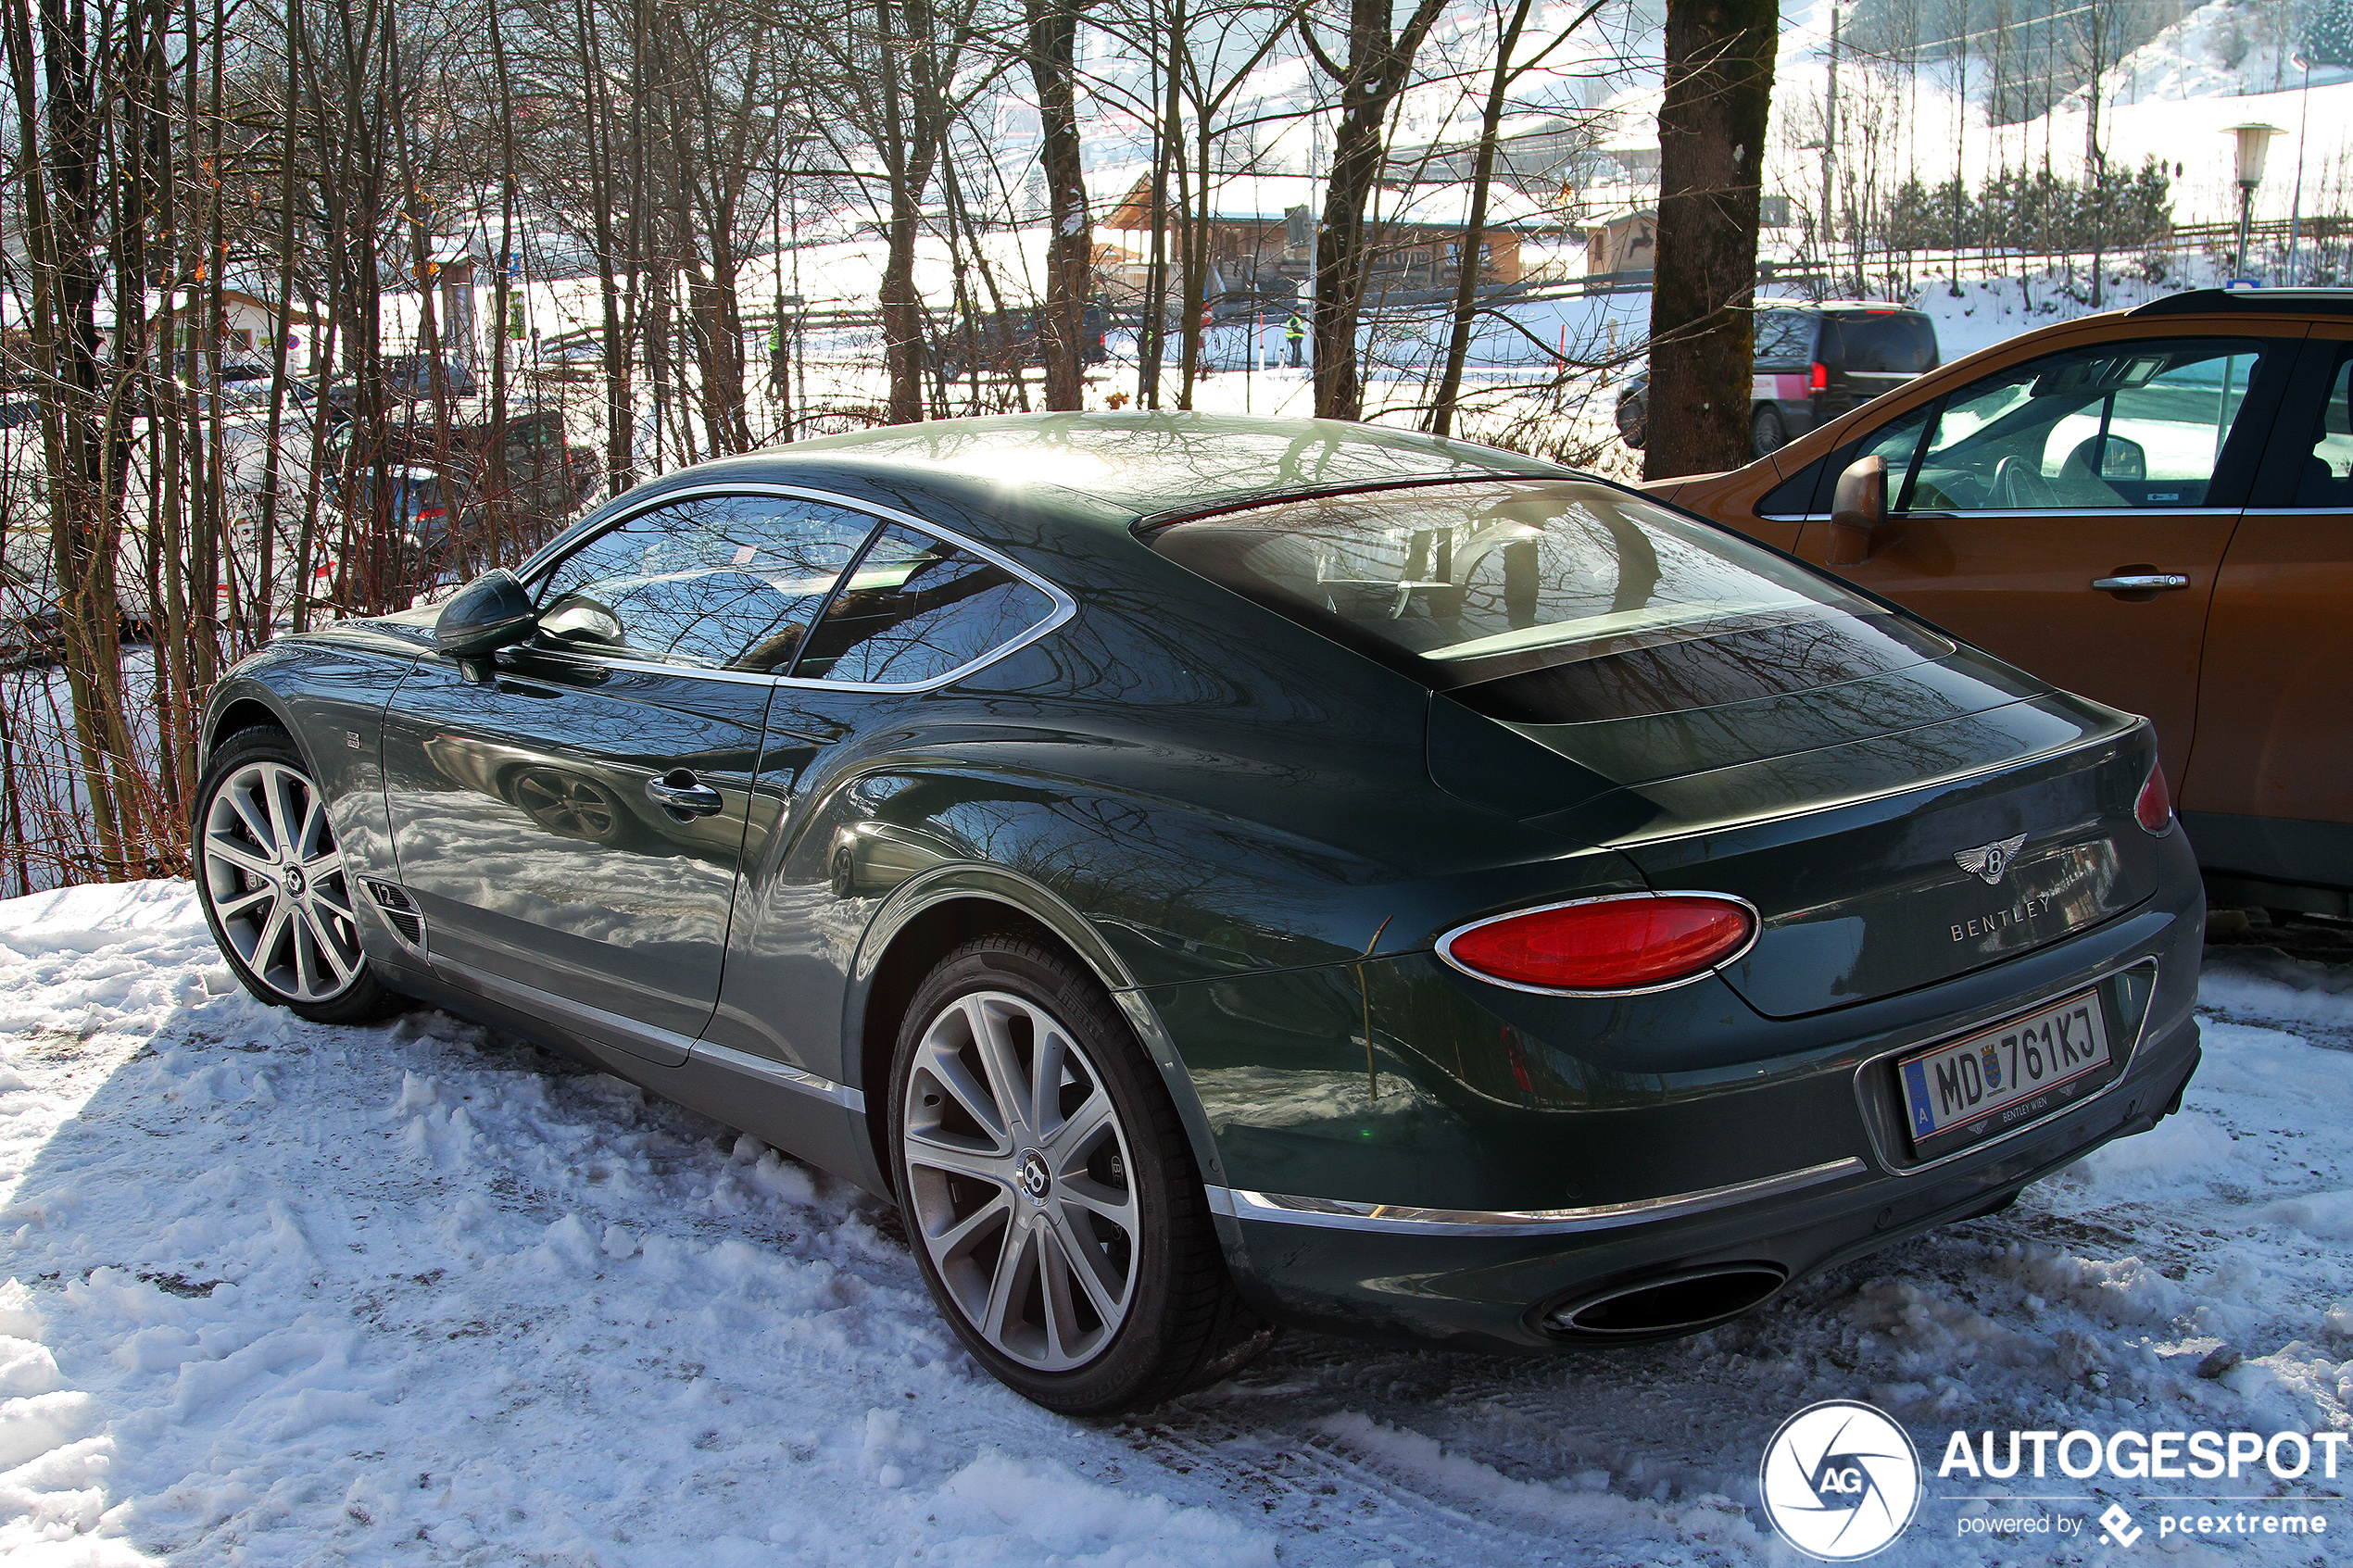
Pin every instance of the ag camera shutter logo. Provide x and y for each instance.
(1839, 1480)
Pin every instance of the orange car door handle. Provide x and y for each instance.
(2140, 583)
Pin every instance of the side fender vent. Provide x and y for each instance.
(399, 911)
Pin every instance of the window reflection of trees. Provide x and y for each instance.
(915, 608)
(719, 582)
(1557, 602)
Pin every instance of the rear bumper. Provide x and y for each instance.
(1818, 1187)
(1494, 1292)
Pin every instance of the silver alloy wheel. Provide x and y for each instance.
(1020, 1181)
(274, 878)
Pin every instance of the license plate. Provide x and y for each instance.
(2002, 1078)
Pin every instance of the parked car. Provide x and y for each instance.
(1813, 363)
(1003, 342)
(1633, 409)
(2151, 507)
(1212, 872)
(547, 480)
(407, 378)
(38, 638)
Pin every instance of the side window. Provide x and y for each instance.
(715, 582)
(916, 608)
(2327, 476)
(2116, 425)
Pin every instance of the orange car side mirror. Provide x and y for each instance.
(1857, 507)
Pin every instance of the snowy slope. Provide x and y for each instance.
(287, 1294)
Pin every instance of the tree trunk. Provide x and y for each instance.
(1070, 248)
(1377, 67)
(1711, 137)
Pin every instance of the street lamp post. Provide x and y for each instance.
(2254, 141)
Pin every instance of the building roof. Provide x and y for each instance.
(1264, 198)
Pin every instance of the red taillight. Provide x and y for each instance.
(2154, 808)
(1629, 942)
(1818, 377)
(431, 514)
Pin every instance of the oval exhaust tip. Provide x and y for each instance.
(1679, 1303)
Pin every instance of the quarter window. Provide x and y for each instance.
(915, 608)
(714, 582)
(2115, 425)
(2326, 475)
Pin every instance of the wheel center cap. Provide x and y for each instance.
(294, 880)
(1035, 1178)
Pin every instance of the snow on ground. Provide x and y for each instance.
(280, 1293)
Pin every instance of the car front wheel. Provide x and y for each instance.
(1049, 1193)
(270, 876)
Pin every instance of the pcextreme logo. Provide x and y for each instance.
(1839, 1480)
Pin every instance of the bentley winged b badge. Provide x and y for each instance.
(1988, 862)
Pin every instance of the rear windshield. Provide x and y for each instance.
(1886, 340)
(1549, 601)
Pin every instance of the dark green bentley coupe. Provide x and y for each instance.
(1212, 872)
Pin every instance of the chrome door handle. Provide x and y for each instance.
(2140, 582)
(678, 790)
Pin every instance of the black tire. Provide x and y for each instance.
(1182, 1322)
(1766, 431)
(255, 915)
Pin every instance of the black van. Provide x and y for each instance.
(1814, 363)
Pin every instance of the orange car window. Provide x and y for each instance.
(2112, 425)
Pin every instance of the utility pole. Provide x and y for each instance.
(1829, 159)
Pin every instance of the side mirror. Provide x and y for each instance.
(1857, 507)
(487, 614)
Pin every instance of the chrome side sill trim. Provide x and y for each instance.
(622, 1032)
(1242, 1204)
(781, 1075)
(611, 1028)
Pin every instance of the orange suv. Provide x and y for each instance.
(2153, 507)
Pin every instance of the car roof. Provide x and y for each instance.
(1155, 467)
(2231, 302)
(1824, 306)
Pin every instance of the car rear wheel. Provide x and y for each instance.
(1050, 1195)
(1766, 431)
(270, 875)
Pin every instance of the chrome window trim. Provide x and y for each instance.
(1241, 1203)
(2123, 1067)
(2321, 507)
(780, 1073)
(1927, 513)
(1755, 930)
(1064, 607)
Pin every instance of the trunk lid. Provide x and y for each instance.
(1845, 814)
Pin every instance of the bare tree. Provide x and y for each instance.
(1374, 66)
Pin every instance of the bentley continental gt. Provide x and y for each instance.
(1213, 874)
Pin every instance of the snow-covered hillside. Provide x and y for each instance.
(414, 1294)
